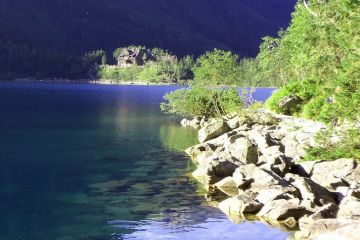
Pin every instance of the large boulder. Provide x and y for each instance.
(221, 168)
(257, 137)
(293, 149)
(214, 171)
(279, 210)
(234, 122)
(328, 211)
(240, 204)
(332, 174)
(348, 232)
(349, 208)
(244, 151)
(312, 194)
(290, 104)
(257, 178)
(275, 193)
(275, 160)
(200, 152)
(330, 229)
(214, 129)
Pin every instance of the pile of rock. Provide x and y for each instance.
(252, 171)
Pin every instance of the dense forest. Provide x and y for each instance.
(49, 38)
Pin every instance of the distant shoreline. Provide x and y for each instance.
(103, 82)
(100, 82)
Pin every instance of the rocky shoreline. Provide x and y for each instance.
(251, 168)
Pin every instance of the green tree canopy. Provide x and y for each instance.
(216, 68)
(319, 57)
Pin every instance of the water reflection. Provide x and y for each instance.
(176, 138)
(210, 229)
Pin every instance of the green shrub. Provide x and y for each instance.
(273, 102)
(305, 90)
(349, 147)
(312, 109)
(151, 73)
(215, 68)
(118, 74)
(202, 101)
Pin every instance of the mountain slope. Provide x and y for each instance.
(53, 32)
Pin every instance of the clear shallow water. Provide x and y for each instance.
(101, 162)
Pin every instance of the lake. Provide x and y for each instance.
(98, 162)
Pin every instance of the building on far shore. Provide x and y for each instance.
(138, 56)
(134, 56)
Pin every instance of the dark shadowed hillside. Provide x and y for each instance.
(45, 38)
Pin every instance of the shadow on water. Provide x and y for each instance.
(88, 162)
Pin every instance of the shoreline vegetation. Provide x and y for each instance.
(292, 162)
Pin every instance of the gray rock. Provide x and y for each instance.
(260, 140)
(349, 208)
(276, 161)
(289, 104)
(304, 169)
(327, 211)
(259, 178)
(240, 204)
(230, 140)
(200, 151)
(293, 149)
(234, 122)
(244, 151)
(348, 232)
(326, 229)
(214, 129)
(228, 186)
(275, 193)
(282, 209)
(332, 174)
(220, 169)
(310, 191)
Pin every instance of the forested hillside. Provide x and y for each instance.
(47, 38)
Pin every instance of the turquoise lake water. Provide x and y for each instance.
(95, 162)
